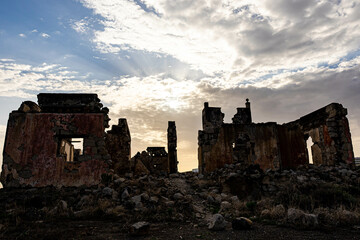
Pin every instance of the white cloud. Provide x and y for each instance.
(44, 35)
(22, 35)
(80, 26)
(34, 31)
(240, 40)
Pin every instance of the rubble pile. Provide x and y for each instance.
(309, 197)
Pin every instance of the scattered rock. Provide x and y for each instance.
(174, 175)
(119, 180)
(140, 229)
(145, 196)
(137, 200)
(217, 222)
(234, 199)
(60, 210)
(125, 194)
(107, 192)
(300, 219)
(178, 196)
(154, 199)
(225, 205)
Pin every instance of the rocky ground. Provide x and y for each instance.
(234, 202)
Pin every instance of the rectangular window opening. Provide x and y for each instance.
(71, 148)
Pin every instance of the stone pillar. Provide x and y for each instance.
(172, 147)
(118, 144)
(247, 104)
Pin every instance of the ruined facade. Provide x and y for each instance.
(271, 145)
(59, 142)
(156, 160)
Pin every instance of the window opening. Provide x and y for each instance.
(309, 143)
(71, 148)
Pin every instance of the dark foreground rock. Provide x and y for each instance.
(241, 223)
(309, 198)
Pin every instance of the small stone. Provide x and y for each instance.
(154, 199)
(140, 229)
(210, 199)
(169, 203)
(137, 200)
(234, 199)
(225, 205)
(145, 196)
(107, 192)
(119, 180)
(223, 196)
(301, 179)
(217, 222)
(233, 175)
(241, 223)
(125, 194)
(178, 196)
(60, 210)
(174, 175)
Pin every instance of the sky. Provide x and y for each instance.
(154, 61)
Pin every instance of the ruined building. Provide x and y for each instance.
(58, 142)
(271, 145)
(61, 141)
(156, 160)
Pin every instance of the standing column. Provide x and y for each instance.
(172, 147)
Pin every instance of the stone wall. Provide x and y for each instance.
(32, 152)
(154, 160)
(329, 130)
(240, 143)
(274, 146)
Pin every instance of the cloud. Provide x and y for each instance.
(240, 40)
(80, 26)
(22, 35)
(44, 35)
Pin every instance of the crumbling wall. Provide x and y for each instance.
(34, 134)
(271, 145)
(172, 147)
(292, 146)
(154, 160)
(240, 143)
(329, 130)
(118, 144)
